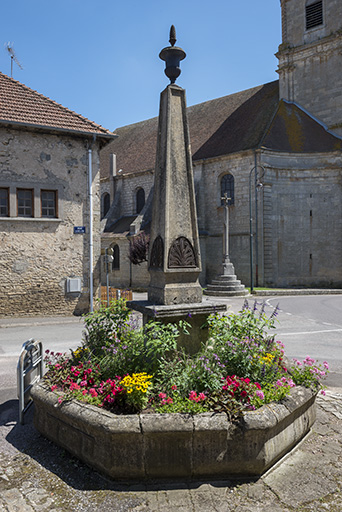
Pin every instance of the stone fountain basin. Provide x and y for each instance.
(175, 446)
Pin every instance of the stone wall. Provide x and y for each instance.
(128, 275)
(299, 211)
(303, 220)
(175, 446)
(38, 254)
(310, 68)
(208, 176)
(129, 188)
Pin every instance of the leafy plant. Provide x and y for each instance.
(125, 368)
(309, 373)
(138, 248)
(105, 324)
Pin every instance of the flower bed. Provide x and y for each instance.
(129, 385)
(126, 369)
(175, 446)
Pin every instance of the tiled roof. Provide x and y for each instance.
(122, 225)
(293, 130)
(217, 127)
(21, 105)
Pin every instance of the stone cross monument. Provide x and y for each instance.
(226, 284)
(174, 292)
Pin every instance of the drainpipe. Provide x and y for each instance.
(91, 245)
(256, 222)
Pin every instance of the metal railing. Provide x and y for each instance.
(29, 371)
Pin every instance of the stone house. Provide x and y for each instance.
(46, 152)
(275, 149)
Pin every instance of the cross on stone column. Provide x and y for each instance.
(226, 260)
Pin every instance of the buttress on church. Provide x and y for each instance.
(274, 149)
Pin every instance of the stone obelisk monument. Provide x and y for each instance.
(174, 259)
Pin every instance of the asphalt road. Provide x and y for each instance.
(308, 325)
(57, 334)
(312, 325)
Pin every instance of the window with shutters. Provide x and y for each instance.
(314, 14)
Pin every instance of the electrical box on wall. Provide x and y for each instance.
(73, 285)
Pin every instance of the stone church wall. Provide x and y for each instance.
(303, 220)
(38, 254)
(130, 186)
(310, 61)
(127, 275)
(208, 176)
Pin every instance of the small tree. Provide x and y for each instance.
(138, 248)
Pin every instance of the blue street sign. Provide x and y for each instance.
(79, 230)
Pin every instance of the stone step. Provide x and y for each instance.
(224, 278)
(221, 282)
(226, 293)
(230, 288)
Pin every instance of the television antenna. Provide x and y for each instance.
(10, 49)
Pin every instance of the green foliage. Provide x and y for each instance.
(105, 324)
(240, 367)
(309, 373)
(182, 405)
(241, 344)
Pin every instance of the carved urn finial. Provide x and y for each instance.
(172, 55)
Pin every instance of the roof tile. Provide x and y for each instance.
(20, 104)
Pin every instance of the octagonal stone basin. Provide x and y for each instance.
(175, 446)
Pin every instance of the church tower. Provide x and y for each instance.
(310, 58)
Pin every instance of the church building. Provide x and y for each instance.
(274, 149)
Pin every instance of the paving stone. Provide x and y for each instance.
(255, 491)
(15, 502)
(179, 498)
(297, 481)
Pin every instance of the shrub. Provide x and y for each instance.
(125, 369)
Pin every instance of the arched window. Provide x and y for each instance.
(105, 204)
(227, 186)
(116, 258)
(140, 200)
(313, 14)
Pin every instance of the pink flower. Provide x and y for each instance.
(202, 396)
(260, 394)
(174, 387)
(93, 393)
(162, 395)
(53, 387)
(83, 383)
(322, 392)
(326, 365)
(169, 400)
(193, 396)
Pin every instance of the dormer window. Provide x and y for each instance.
(314, 14)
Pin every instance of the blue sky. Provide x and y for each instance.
(100, 57)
